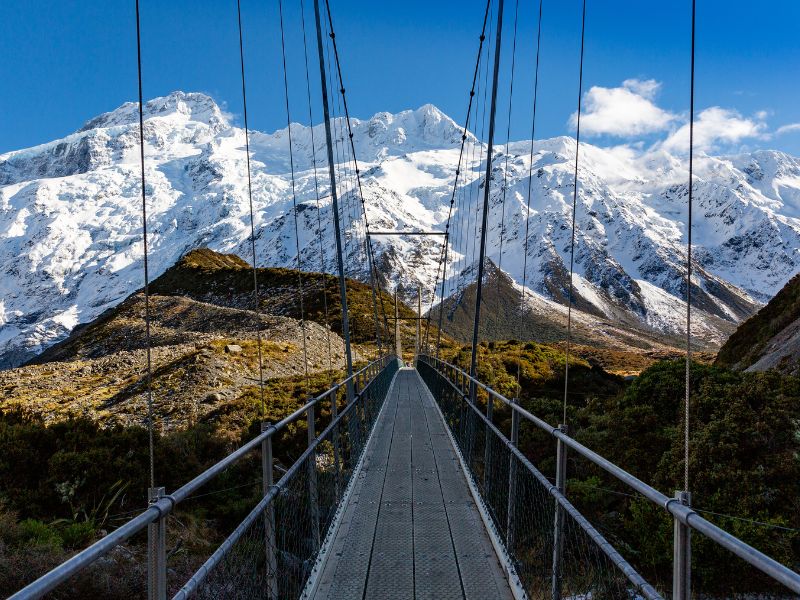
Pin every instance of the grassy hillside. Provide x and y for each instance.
(204, 345)
(748, 343)
(227, 280)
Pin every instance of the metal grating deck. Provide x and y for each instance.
(411, 529)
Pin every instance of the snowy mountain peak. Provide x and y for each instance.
(70, 220)
(426, 126)
(191, 106)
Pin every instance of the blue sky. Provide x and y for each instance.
(65, 61)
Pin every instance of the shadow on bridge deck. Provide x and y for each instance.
(410, 528)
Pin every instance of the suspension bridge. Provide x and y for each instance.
(412, 488)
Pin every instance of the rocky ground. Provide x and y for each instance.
(203, 357)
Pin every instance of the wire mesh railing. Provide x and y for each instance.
(555, 550)
(272, 552)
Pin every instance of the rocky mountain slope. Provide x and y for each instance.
(503, 318)
(205, 352)
(70, 226)
(771, 338)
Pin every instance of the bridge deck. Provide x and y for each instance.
(411, 529)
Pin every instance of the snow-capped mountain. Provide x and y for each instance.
(70, 216)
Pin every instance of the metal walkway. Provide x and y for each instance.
(411, 528)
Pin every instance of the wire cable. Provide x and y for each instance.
(530, 187)
(149, 379)
(508, 139)
(473, 370)
(370, 253)
(574, 210)
(322, 271)
(257, 304)
(486, 181)
(461, 154)
(294, 201)
(474, 183)
(689, 265)
(337, 141)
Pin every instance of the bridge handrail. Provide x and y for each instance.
(633, 576)
(193, 584)
(685, 514)
(164, 506)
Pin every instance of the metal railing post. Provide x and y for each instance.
(417, 347)
(398, 347)
(462, 421)
(156, 551)
(312, 480)
(487, 451)
(558, 526)
(267, 481)
(682, 554)
(472, 425)
(336, 466)
(512, 481)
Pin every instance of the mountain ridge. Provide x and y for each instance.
(770, 339)
(70, 226)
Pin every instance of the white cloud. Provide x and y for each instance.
(791, 127)
(623, 111)
(646, 88)
(630, 111)
(715, 126)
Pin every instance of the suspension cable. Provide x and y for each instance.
(341, 192)
(294, 200)
(471, 195)
(346, 177)
(508, 138)
(464, 137)
(322, 273)
(530, 186)
(574, 207)
(336, 126)
(440, 262)
(486, 193)
(450, 238)
(689, 265)
(468, 193)
(350, 168)
(348, 195)
(257, 304)
(370, 253)
(339, 166)
(151, 446)
(487, 177)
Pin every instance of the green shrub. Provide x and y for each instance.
(77, 535)
(37, 533)
(744, 461)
